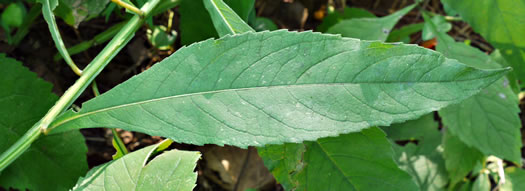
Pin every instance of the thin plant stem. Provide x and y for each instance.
(89, 74)
(128, 6)
(98, 39)
(119, 144)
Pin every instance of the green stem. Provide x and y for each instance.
(99, 39)
(129, 7)
(119, 144)
(20, 146)
(91, 71)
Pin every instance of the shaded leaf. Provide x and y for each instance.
(488, 121)
(441, 24)
(422, 161)
(195, 22)
(76, 11)
(348, 13)
(225, 20)
(172, 170)
(482, 183)
(515, 179)
(369, 28)
(356, 161)
(403, 34)
(426, 167)
(501, 22)
(412, 130)
(243, 8)
(263, 24)
(47, 11)
(460, 159)
(273, 87)
(24, 99)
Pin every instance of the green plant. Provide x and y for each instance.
(324, 110)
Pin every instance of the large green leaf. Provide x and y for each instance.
(172, 170)
(225, 20)
(488, 121)
(348, 13)
(356, 161)
(460, 159)
(369, 28)
(52, 162)
(515, 179)
(273, 87)
(501, 22)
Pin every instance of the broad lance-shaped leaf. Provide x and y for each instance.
(369, 28)
(500, 22)
(225, 20)
(53, 162)
(355, 161)
(273, 87)
(172, 170)
(488, 121)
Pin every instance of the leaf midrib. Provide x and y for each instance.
(222, 17)
(79, 114)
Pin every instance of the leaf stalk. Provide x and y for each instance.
(129, 7)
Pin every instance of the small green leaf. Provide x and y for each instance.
(348, 13)
(488, 121)
(53, 162)
(422, 161)
(196, 24)
(47, 10)
(13, 15)
(243, 8)
(403, 34)
(460, 159)
(482, 183)
(501, 23)
(76, 11)
(356, 161)
(412, 130)
(369, 28)
(515, 179)
(225, 20)
(441, 24)
(273, 87)
(172, 170)
(160, 38)
(264, 24)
